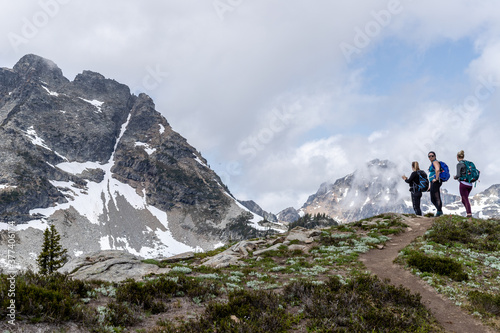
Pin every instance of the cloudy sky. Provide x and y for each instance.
(282, 95)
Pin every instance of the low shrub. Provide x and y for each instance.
(148, 295)
(486, 302)
(151, 295)
(53, 298)
(365, 304)
(246, 311)
(438, 265)
(121, 315)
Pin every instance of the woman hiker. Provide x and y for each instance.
(418, 183)
(465, 187)
(435, 188)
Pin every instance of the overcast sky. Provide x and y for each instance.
(282, 95)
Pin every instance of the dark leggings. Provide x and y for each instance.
(436, 195)
(415, 199)
(464, 193)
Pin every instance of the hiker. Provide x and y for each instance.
(418, 183)
(435, 183)
(465, 185)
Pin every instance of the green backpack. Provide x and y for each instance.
(471, 173)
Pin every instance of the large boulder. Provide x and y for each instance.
(110, 265)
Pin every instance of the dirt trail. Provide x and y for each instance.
(380, 262)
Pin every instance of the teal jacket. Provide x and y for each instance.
(432, 172)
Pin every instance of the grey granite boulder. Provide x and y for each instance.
(110, 265)
(303, 235)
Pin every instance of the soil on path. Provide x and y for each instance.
(380, 262)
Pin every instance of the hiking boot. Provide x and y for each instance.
(439, 213)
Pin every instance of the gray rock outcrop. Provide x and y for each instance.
(255, 208)
(288, 215)
(112, 266)
(244, 249)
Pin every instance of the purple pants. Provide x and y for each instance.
(464, 193)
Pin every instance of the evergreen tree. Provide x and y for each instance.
(53, 255)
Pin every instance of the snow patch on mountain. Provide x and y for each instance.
(95, 103)
(35, 139)
(38, 141)
(36, 224)
(78, 167)
(5, 186)
(52, 93)
(85, 202)
(197, 159)
(146, 147)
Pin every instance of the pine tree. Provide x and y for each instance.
(53, 255)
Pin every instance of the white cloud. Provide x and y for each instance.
(377, 135)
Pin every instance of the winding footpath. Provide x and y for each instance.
(380, 262)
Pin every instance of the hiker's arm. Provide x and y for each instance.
(437, 167)
(459, 170)
(412, 177)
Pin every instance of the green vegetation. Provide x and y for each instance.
(482, 235)
(323, 288)
(245, 311)
(53, 255)
(152, 295)
(438, 265)
(47, 298)
(485, 303)
(240, 226)
(460, 259)
(364, 304)
(309, 221)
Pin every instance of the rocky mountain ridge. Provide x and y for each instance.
(106, 168)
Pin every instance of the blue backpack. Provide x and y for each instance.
(471, 173)
(445, 171)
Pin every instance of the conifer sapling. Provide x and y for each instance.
(53, 256)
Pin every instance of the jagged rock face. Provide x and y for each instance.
(88, 152)
(255, 208)
(288, 215)
(373, 189)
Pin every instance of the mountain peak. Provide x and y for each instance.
(380, 163)
(32, 66)
(105, 168)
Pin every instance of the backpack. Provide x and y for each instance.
(471, 173)
(423, 182)
(445, 172)
(444, 175)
